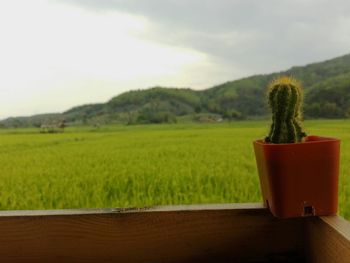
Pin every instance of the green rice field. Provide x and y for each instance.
(137, 166)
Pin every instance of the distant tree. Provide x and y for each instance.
(232, 115)
(331, 110)
(313, 110)
(85, 119)
(62, 125)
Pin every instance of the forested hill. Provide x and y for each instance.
(326, 85)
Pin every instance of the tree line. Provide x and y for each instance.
(326, 85)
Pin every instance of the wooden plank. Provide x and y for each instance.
(173, 208)
(214, 233)
(327, 239)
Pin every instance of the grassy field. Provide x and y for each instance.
(121, 166)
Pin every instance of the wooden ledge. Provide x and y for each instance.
(194, 233)
(237, 207)
(327, 239)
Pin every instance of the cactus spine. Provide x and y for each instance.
(285, 100)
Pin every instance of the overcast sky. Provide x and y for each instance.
(55, 54)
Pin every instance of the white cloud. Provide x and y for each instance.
(272, 34)
(56, 56)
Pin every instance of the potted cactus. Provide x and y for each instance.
(298, 173)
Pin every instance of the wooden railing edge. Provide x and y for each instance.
(169, 208)
(339, 224)
(184, 232)
(190, 233)
(327, 239)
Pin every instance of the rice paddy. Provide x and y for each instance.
(137, 166)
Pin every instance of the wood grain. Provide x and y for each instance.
(327, 239)
(214, 233)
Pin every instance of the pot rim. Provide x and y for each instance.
(311, 139)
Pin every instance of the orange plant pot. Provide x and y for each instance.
(299, 179)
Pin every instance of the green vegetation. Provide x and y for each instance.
(327, 95)
(285, 100)
(123, 166)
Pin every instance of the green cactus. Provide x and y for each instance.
(285, 99)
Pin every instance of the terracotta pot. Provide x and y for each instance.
(299, 179)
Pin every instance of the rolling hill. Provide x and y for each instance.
(326, 85)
